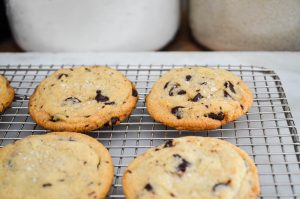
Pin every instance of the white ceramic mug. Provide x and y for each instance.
(93, 25)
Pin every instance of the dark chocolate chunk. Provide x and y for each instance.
(134, 92)
(169, 143)
(176, 111)
(242, 107)
(226, 94)
(61, 75)
(99, 163)
(129, 171)
(47, 185)
(109, 103)
(183, 165)
(148, 187)
(218, 185)
(114, 120)
(206, 106)
(181, 92)
(156, 149)
(172, 195)
(72, 100)
(216, 116)
(188, 77)
(166, 85)
(171, 93)
(100, 98)
(230, 85)
(197, 98)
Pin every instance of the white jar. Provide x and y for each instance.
(93, 25)
(246, 24)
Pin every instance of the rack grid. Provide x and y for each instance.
(267, 132)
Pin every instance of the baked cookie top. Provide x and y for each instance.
(6, 93)
(198, 98)
(82, 99)
(192, 167)
(56, 165)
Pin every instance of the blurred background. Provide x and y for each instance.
(149, 25)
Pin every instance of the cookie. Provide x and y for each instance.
(56, 165)
(82, 99)
(198, 98)
(192, 167)
(6, 93)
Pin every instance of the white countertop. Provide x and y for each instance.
(285, 64)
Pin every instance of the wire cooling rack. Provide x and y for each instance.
(267, 133)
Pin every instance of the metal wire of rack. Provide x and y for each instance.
(267, 132)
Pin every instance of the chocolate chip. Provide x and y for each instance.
(219, 116)
(169, 143)
(156, 149)
(242, 107)
(61, 75)
(114, 120)
(218, 185)
(203, 83)
(87, 69)
(226, 94)
(181, 92)
(173, 87)
(47, 185)
(206, 106)
(129, 171)
(134, 92)
(188, 77)
(85, 162)
(100, 98)
(166, 85)
(109, 103)
(197, 98)
(99, 163)
(183, 165)
(176, 111)
(87, 116)
(148, 187)
(172, 195)
(72, 100)
(61, 180)
(230, 85)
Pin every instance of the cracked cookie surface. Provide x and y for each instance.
(6, 93)
(55, 165)
(198, 98)
(192, 167)
(82, 99)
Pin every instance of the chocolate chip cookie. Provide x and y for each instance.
(198, 98)
(82, 99)
(192, 167)
(6, 93)
(56, 165)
